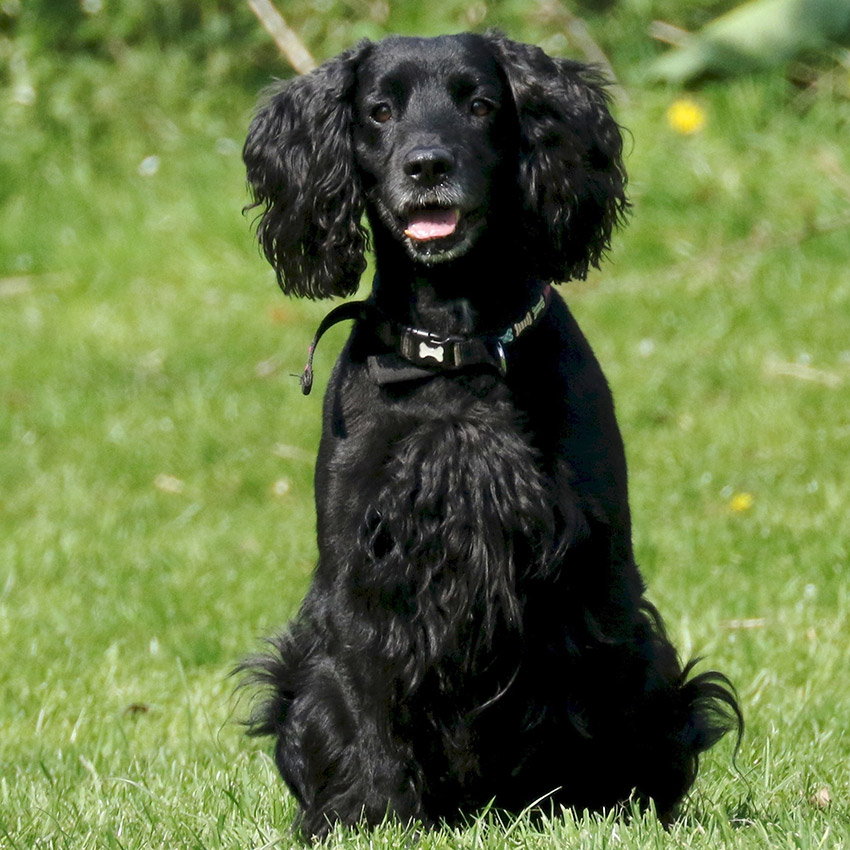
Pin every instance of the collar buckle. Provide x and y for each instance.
(420, 346)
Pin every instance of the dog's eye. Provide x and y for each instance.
(481, 108)
(381, 113)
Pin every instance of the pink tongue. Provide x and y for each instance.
(431, 224)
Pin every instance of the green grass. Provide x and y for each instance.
(156, 511)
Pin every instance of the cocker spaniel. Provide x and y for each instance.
(476, 628)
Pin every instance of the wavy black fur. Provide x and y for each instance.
(476, 628)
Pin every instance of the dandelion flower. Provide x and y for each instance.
(741, 502)
(686, 116)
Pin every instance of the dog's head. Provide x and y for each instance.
(441, 141)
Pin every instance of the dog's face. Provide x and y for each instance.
(441, 141)
(431, 132)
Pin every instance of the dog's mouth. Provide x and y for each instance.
(434, 234)
(427, 225)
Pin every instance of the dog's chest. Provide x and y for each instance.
(447, 491)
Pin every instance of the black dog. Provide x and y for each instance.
(476, 628)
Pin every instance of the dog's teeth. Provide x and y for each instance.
(431, 224)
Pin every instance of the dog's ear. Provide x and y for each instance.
(570, 171)
(301, 174)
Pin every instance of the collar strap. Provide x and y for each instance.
(426, 351)
(357, 310)
(448, 352)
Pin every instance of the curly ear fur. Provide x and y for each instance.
(571, 171)
(301, 174)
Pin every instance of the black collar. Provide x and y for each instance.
(415, 353)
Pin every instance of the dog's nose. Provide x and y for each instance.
(428, 166)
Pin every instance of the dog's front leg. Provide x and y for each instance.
(336, 750)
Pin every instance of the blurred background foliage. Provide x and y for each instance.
(76, 64)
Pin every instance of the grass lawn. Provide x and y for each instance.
(156, 512)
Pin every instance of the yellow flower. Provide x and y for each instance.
(741, 502)
(686, 116)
